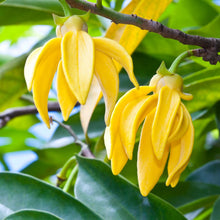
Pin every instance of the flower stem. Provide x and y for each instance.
(62, 175)
(85, 151)
(99, 3)
(205, 214)
(179, 59)
(70, 179)
(66, 8)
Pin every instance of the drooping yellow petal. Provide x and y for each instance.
(78, 62)
(44, 73)
(168, 104)
(131, 118)
(87, 110)
(180, 125)
(176, 177)
(117, 52)
(149, 167)
(107, 141)
(130, 36)
(176, 124)
(66, 98)
(107, 76)
(121, 104)
(119, 157)
(29, 67)
(180, 151)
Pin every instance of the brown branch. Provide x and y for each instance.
(211, 46)
(11, 113)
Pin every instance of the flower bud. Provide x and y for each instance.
(73, 23)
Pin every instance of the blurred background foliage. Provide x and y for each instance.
(27, 146)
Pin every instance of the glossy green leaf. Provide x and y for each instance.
(187, 192)
(50, 6)
(32, 12)
(4, 211)
(209, 173)
(29, 12)
(115, 198)
(31, 215)
(216, 210)
(36, 194)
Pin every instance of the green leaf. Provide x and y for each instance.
(209, 173)
(161, 48)
(187, 192)
(216, 210)
(115, 198)
(50, 6)
(12, 81)
(36, 194)
(184, 14)
(209, 30)
(4, 211)
(31, 12)
(31, 215)
(204, 86)
(23, 16)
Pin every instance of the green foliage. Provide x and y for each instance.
(38, 195)
(109, 193)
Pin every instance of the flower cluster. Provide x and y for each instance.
(167, 130)
(83, 64)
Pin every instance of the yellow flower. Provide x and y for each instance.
(81, 63)
(167, 130)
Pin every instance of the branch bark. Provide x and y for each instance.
(11, 113)
(211, 46)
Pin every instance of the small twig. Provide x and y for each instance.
(85, 151)
(211, 46)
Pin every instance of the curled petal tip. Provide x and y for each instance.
(186, 96)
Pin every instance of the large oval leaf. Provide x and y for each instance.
(112, 197)
(19, 191)
(209, 173)
(31, 215)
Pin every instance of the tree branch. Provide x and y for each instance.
(11, 113)
(211, 46)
